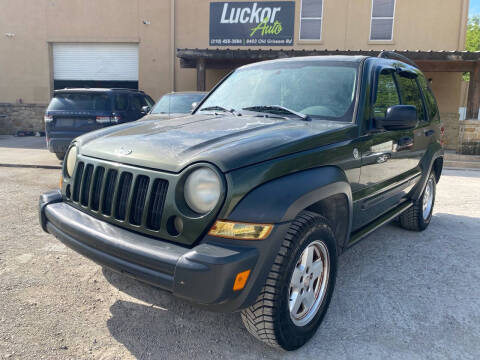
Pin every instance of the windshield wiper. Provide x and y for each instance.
(278, 110)
(220, 108)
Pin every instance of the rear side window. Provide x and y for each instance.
(80, 102)
(121, 102)
(149, 101)
(411, 95)
(138, 101)
(432, 107)
(387, 94)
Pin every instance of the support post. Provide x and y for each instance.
(201, 75)
(474, 93)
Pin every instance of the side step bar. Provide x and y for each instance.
(382, 220)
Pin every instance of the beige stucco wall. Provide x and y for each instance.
(25, 61)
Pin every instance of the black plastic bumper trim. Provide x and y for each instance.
(204, 274)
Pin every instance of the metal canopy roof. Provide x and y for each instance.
(188, 57)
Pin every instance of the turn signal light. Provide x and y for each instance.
(241, 280)
(240, 231)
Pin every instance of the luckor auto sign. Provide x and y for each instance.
(268, 23)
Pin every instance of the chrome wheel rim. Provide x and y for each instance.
(427, 199)
(308, 283)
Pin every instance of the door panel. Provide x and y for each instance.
(389, 158)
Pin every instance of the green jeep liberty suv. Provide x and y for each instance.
(246, 204)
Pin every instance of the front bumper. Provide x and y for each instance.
(204, 274)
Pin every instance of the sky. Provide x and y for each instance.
(474, 8)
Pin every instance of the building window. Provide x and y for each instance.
(311, 14)
(383, 12)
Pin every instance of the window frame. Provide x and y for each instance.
(392, 72)
(420, 91)
(381, 18)
(311, 18)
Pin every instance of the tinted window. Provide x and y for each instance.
(138, 101)
(80, 102)
(387, 94)
(431, 103)
(411, 95)
(149, 100)
(176, 103)
(321, 89)
(121, 102)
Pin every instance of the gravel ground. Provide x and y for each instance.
(399, 294)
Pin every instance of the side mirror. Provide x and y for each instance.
(194, 105)
(145, 110)
(400, 117)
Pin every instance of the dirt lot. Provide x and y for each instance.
(399, 294)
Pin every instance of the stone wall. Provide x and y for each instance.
(469, 137)
(21, 117)
(451, 124)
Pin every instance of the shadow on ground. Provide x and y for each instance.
(399, 294)
(23, 142)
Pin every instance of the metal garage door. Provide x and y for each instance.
(95, 65)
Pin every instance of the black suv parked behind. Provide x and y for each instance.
(73, 112)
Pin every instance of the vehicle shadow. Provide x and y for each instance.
(399, 294)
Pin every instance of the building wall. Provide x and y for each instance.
(26, 73)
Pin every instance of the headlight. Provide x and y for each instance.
(202, 190)
(70, 161)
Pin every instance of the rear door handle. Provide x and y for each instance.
(429, 132)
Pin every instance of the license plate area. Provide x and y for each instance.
(74, 123)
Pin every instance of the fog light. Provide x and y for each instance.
(241, 280)
(240, 231)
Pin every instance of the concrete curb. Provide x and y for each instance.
(55, 167)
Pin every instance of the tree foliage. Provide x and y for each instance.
(473, 34)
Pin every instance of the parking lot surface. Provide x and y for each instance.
(399, 294)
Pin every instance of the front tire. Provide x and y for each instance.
(417, 217)
(296, 295)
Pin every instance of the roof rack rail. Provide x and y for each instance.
(396, 56)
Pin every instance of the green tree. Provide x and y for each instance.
(472, 42)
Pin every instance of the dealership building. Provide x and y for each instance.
(160, 46)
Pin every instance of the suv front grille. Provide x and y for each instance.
(119, 195)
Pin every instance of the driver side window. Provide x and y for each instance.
(387, 94)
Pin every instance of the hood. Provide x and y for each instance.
(227, 141)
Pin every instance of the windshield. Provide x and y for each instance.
(176, 103)
(80, 102)
(321, 90)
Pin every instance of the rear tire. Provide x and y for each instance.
(296, 295)
(60, 155)
(417, 217)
